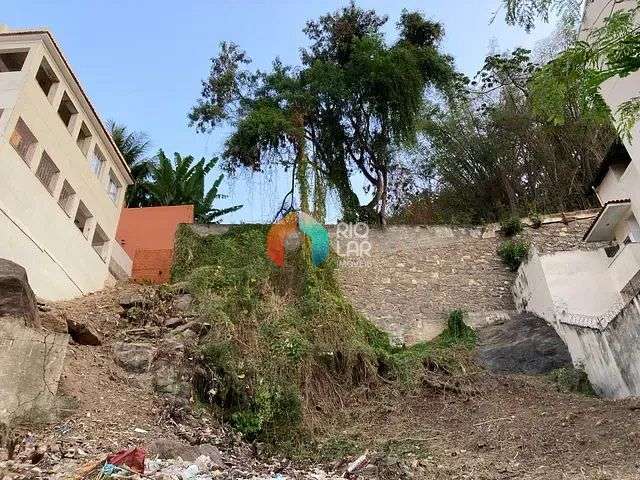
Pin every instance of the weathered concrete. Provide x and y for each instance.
(611, 355)
(31, 363)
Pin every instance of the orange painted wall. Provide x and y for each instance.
(147, 235)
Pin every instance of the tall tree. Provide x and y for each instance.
(134, 147)
(526, 12)
(493, 156)
(348, 110)
(182, 182)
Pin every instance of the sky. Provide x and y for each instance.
(142, 61)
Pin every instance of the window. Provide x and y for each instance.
(67, 197)
(83, 219)
(67, 111)
(46, 78)
(113, 190)
(47, 173)
(97, 161)
(12, 61)
(23, 141)
(84, 138)
(100, 242)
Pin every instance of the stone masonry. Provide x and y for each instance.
(415, 275)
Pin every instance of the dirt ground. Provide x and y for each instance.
(514, 427)
(517, 427)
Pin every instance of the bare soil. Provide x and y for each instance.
(513, 427)
(517, 427)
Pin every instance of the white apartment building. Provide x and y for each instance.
(62, 180)
(592, 297)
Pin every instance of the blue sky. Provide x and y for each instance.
(141, 61)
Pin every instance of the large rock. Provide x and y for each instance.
(169, 373)
(83, 333)
(134, 299)
(171, 449)
(133, 357)
(182, 303)
(16, 297)
(53, 321)
(524, 343)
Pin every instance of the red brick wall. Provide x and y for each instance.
(147, 235)
(152, 266)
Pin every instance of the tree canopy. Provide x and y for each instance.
(182, 182)
(134, 147)
(354, 102)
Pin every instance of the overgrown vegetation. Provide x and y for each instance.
(571, 379)
(511, 226)
(513, 252)
(285, 344)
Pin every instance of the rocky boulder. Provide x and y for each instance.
(524, 343)
(53, 321)
(171, 449)
(133, 357)
(83, 333)
(182, 303)
(170, 374)
(16, 297)
(131, 300)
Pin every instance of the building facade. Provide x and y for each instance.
(63, 179)
(592, 295)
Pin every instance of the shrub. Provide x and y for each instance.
(536, 220)
(457, 331)
(285, 343)
(511, 226)
(571, 379)
(513, 253)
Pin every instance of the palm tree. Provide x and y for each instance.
(182, 182)
(133, 147)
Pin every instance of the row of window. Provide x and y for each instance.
(46, 78)
(24, 143)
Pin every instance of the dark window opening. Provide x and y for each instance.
(47, 172)
(100, 242)
(46, 78)
(67, 110)
(83, 219)
(84, 138)
(67, 196)
(12, 61)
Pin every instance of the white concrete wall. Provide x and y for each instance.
(616, 91)
(66, 265)
(531, 291)
(610, 357)
(580, 283)
(625, 265)
(558, 287)
(120, 264)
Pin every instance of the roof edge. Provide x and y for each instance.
(57, 50)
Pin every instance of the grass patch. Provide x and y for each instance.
(569, 379)
(285, 343)
(513, 253)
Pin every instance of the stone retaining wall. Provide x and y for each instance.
(415, 275)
